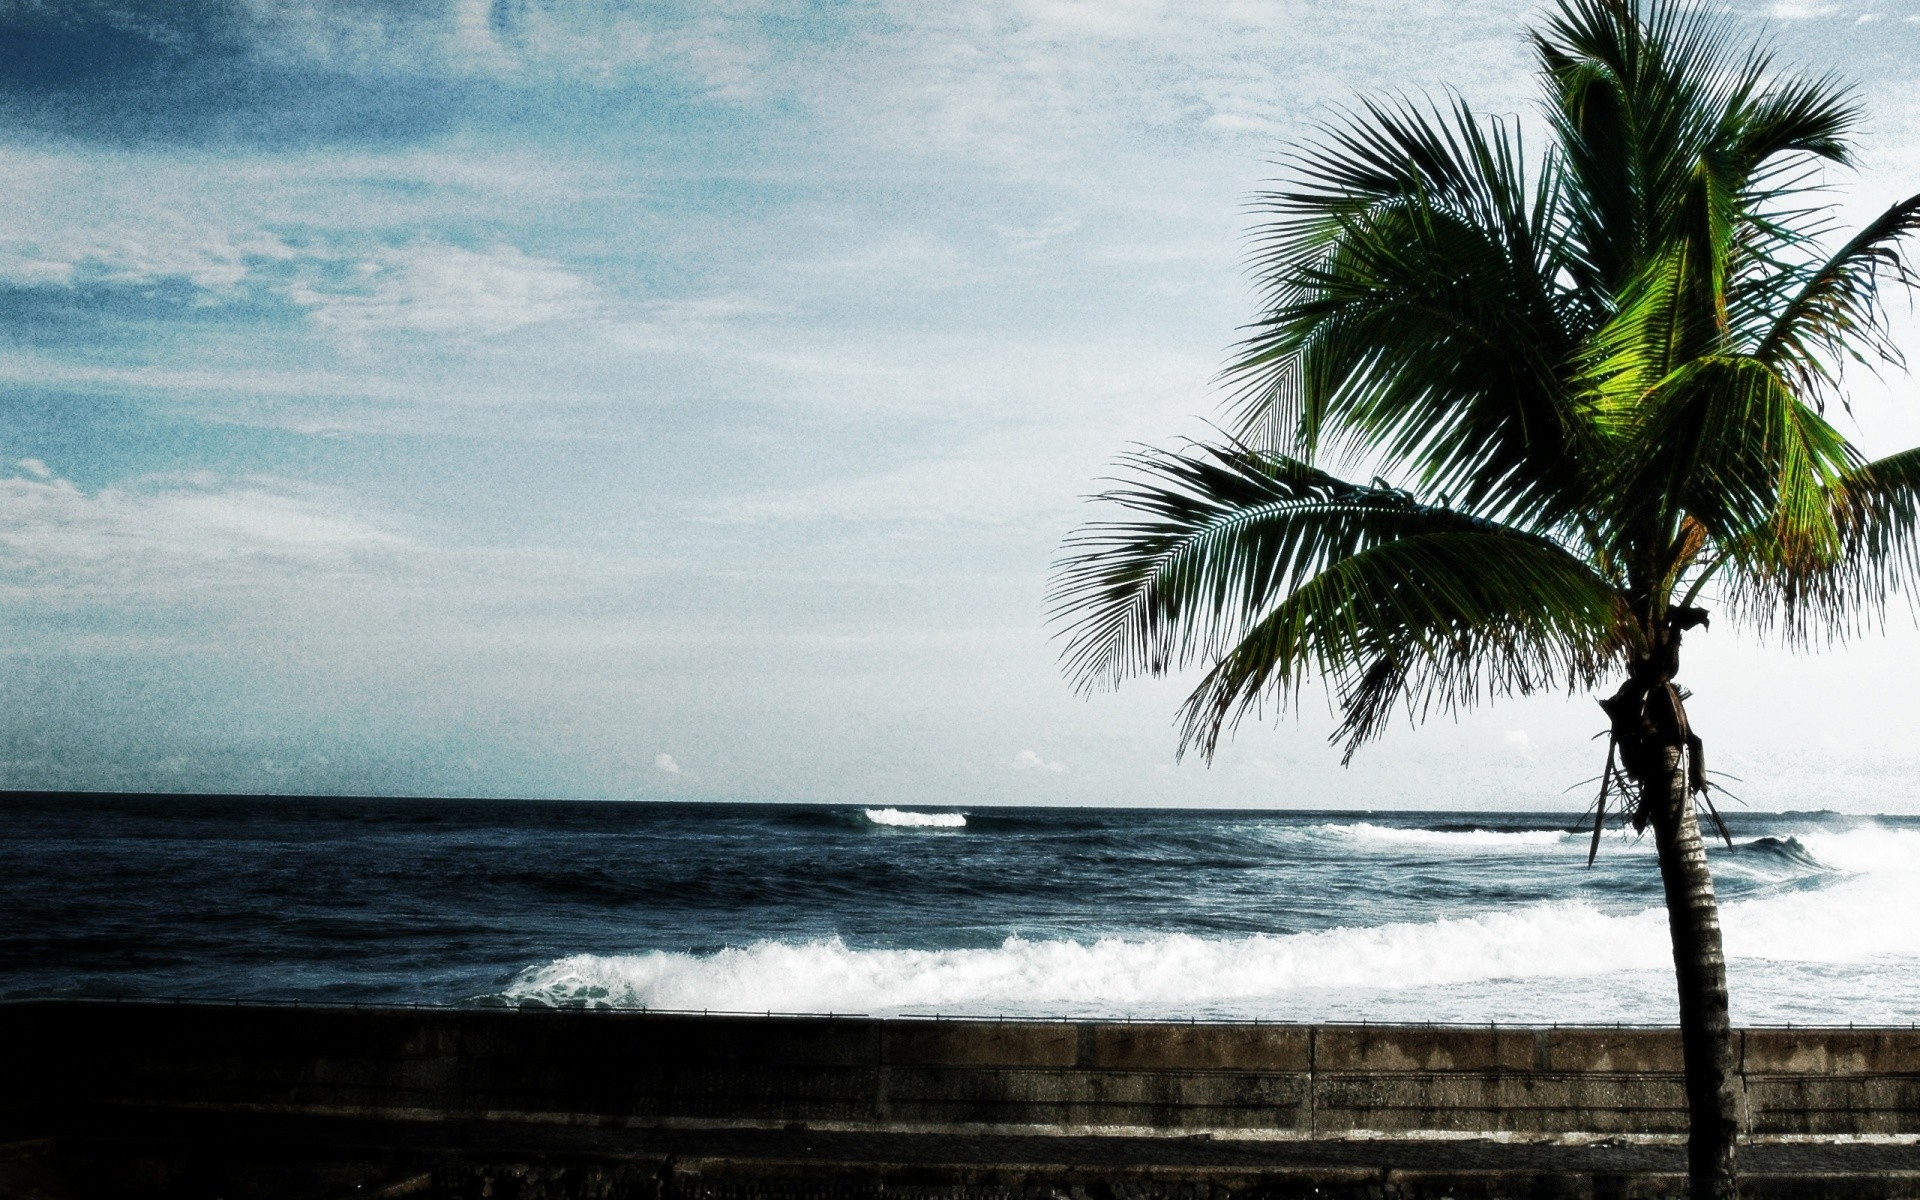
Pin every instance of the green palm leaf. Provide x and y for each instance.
(1874, 508)
(1441, 618)
(1836, 313)
(1723, 440)
(1413, 308)
(1282, 573)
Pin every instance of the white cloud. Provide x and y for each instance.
(710, 311)
(1519, 743)
(422, 287)
(1026, 81)
(999, 74)
(593, 42)
(431, 288)
(40, 253)
(892, 258)
(179, 535)
(1027, 760)
(1800, 10)
(974, 491)
(426, 287)
(665, 763)
(1032, 237)
(31, 266)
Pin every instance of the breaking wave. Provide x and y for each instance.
(915, 820)
(1395, 838)
(1791, 932)
(1871, 849)
(1175, 971)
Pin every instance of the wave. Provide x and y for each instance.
(1872, 849)
(1394, 837)
(897, 818)
(1809, 854)
(1175, 971)
(1865, 848)
(1843, 922)
(1784, 853)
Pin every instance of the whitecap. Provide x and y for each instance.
(1161, 973)
(898, 818)
(1871, 848)
(1394, 837)
(1823, 935)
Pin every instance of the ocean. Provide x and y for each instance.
(1384, 916)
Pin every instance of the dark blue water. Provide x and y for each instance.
(1139, 912)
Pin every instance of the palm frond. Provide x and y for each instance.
(1837, 313)
(1413, 311)
(1441, 619)
(1790, 116)
(1635, 97)
(1672, 310)
(1275, 572)
(1724, 441)
(1643, 98)
(1875, 509)
(1210, 539)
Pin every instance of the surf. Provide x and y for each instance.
(894, 818)
(1396, 838)
(1842, 920)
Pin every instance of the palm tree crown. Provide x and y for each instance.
(1588, 380)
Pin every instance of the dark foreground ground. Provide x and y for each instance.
(131, 1153)
(144, 1101)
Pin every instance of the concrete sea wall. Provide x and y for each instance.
(639, 1069)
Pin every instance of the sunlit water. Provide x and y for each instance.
(901, 909)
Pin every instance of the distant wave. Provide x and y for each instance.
(1394, 837)
(915, 820)
(1264, 974)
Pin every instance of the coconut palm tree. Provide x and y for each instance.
(1587, 383)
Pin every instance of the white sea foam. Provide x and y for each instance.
(1177, 970)
(1868, 849)
(1542, 960)
(1396, 838)
(916, 820)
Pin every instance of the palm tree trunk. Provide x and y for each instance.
(1706, 1033)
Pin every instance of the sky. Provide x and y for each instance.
(686, 401)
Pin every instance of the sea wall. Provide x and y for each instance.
(1304, 1081)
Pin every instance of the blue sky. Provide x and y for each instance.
(685, 401)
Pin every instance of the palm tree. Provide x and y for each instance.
(1587, 382)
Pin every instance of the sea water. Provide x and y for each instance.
(1387, 916)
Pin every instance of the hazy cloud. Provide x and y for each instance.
(441, 289)
(174, 536)
(1027, 760)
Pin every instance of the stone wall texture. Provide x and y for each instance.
(610, 1068)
